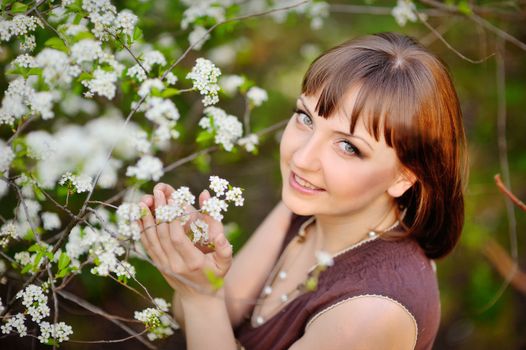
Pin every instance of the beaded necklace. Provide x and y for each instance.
(279, 273)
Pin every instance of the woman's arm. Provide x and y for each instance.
(254, 262)
(365, 322)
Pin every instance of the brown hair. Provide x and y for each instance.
(406, 91)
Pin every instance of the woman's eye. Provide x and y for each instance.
(348, 148)
(303, 117)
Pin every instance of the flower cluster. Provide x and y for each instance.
(405, 10)
(102, 84)
(180, 199)
(6, 157)
(157, 321)
(250, 142)
(199, 230)
(214, 206)
(257, 96)
(51, 221)
(81, 183)
(127, 216)
(147, 168)
(7, 232)
(15, 322)
(58, 332)
(227, 128)
(19, 25)
(35, 301)
(204, 76)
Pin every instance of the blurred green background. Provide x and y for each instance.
(475, 314)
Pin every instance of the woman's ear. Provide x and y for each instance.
(403, 182)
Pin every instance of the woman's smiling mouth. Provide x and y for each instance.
(302, 185)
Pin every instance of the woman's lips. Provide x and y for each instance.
(303, 185)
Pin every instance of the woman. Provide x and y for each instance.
(371, 162)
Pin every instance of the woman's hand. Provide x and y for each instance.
(183, 265)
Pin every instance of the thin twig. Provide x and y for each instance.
(503, 144)
(508, 193)
(442, 39)
(108, 341)
(98, 311)
(20, 129)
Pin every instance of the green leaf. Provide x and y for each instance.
(170, 92)
(137, 33)
(63, 273)
(56, 43)
(27, 268)
(464, 8)
(35, 71)
(18, 7)
(215, 281)
(204, 136)
(34, 248)
(63, 261)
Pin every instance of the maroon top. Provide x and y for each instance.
(398, 270)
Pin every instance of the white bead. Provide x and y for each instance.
(371, 234)
(284, 298)
(282, 275)
(267, 290)
(259, 320)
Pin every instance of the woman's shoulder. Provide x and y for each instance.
(394, 271)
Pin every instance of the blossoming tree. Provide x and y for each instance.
(92, 108)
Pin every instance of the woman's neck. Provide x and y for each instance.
(340, 232)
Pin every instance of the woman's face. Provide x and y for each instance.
(328, 171)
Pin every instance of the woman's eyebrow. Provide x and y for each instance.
(336, 131)
(305, 105)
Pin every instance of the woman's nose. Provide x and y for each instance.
(307, 155)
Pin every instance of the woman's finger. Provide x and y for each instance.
(148, 200)
(150, 233)
(222, 255)
(193, 258)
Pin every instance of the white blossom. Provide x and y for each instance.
(50, 220)
(162, 304)
(249, 142)
(136, 72)
(218, 185)
(151, 58)
(257, 96)
(148, 85)
(82, 183)
(86, 50)
(57, 70)
(200, 9)
(204, 76)
(149, 316)
(125, 269)
(199, 230)
(6, 156)
(405, 10)
(171, 79)
(40, 144)
(235, 195)
(35, 301)
(42, 104)
(227, 128)
(198, 37)
(129, 212)
(7, 232)
(231, 83)
(59, 332)
(214, 206)
(15, 322)
(103, 83)
(28, 44)
(147, 168)
(126, 22)
(26, 61)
